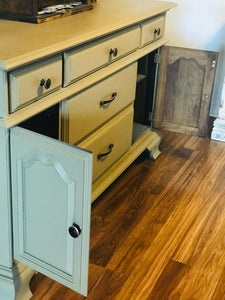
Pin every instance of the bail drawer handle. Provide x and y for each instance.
(102, 103)
(101, 155)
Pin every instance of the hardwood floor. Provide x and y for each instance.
(159, 231)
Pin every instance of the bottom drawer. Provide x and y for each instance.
(110, 141)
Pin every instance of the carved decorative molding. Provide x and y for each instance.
(222, 107)
(218, 132)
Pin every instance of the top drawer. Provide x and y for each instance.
(81, 61)
(152, 30)
(34, 81)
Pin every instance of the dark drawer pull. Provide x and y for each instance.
(157, 31)
(46, 83)
(113, 52)
(102, 103)
(101, 155)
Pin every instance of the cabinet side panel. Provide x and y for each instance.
(5, 202)
(3, 95)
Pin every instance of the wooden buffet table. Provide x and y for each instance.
(66, 132)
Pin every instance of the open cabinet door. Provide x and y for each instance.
(51, 195)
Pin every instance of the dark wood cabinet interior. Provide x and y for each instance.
(145, 91)
(46, 122)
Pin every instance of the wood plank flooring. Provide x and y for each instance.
(159, 231)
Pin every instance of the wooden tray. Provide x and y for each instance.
(27, 11)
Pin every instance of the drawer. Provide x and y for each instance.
(91, 108)
(79, 62)
(110, 142)
(31, 82)
(152, 30)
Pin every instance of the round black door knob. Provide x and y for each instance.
(157, 31)
(46, 83)
(113, 52)
(74, 230)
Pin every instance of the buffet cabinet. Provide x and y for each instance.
(67, 132)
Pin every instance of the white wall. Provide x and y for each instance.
(200, 24)
(197, 24)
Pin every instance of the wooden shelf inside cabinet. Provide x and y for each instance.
(138, 131)
(29, 11)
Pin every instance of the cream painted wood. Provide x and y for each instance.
(25, 83)
(81, 61)
(85, 113)
(35, 41)
(152, 30)
(84, 83)
(23, 275)
(3, 94)
(148, 139)
(117, 132)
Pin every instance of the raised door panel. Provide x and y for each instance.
(51, 190)
(185, 84)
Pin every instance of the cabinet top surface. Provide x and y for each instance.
(23, 42)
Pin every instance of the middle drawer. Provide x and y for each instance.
(93, 107)
(110, 142)
(84, 60)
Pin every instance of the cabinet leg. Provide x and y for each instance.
(14, 282)
(154, 153)
(153, 148)
(23, 275)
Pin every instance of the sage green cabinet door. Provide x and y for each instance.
(51, 191)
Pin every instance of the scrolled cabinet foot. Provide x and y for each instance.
(154, 153)
(153, 148)
(23, 275)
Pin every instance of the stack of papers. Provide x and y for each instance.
(60, 8)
